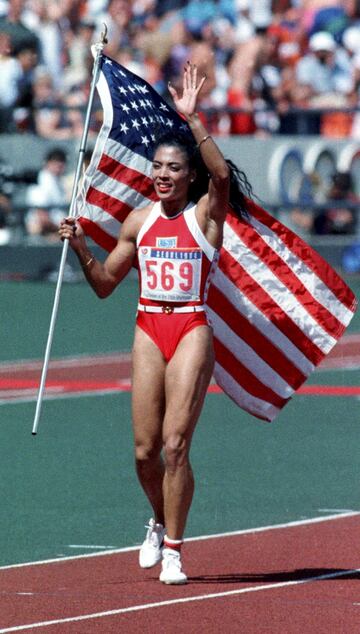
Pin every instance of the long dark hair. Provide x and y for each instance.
(240, 188)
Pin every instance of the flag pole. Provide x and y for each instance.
(72, 213)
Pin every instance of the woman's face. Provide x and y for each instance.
(171, 173)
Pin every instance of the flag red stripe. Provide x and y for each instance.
(304, 252)
(283, 272)
(127, 176)
(111, 205)
(254, 338)
(103, 239)
(244, 377)
(264, 302)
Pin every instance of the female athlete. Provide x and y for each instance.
(175, 244)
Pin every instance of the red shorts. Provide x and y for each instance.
(166, 331)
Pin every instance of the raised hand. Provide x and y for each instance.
(186, 104)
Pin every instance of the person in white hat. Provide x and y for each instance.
(324, 70)
(322, 42)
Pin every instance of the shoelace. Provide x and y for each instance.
(152, 534)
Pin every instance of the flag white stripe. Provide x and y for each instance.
(258, 319)
(277, 290)
(120, 191)
(128, 158)
(106, 102)
(248, 402)
(248, 357)
(108, 223)
(313, 284)
(91, 171)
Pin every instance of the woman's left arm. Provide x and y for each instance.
(219, 171)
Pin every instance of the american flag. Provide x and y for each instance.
(277, 308)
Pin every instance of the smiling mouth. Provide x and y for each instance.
(163, 187)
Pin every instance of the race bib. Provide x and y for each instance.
(170, 275)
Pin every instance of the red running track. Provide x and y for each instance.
(111, 373)
(295, 579)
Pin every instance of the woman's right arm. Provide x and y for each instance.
(103, 277)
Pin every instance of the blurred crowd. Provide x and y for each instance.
(267, 61)
(272, 66)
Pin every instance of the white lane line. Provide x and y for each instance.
(245, 531)
(347, 363)
(341, 511)
(91, 546)
(200, 597)
(67, 362)
(65, 395)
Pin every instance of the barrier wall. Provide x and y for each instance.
(277, 168)
(275, 165)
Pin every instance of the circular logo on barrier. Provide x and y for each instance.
(286, 173)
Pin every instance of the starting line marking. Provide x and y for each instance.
(199, 597)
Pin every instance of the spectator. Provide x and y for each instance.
(5, 213)
(351, 43)
(117, 19)
(324, 70)
(341, 217)
(45, 21)
(241, 72)
(20, 36)
(94, 8)
(50, 119)
(259, 12)
(9, 77)
(351, 40)
(79, 64)
(323, 78)
(47, 198)
(27, 58)
(13, 182)
(265, 83)
(288, 36)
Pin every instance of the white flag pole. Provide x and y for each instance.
(72, 213)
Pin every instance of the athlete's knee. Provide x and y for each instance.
(176, 450)
(146, 455)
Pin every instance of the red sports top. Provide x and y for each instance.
(175, 260)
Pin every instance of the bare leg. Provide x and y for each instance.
(148, 406)
(187, 378)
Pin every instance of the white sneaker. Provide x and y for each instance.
(150, 551)
(171, 568)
